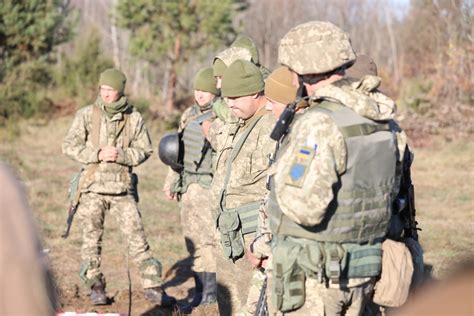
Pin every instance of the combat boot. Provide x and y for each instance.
(197, 298)
(98, 294)
(199, 284)
(209, 293)
(158, 296)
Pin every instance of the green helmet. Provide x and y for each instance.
(247, 43)
(315, 48)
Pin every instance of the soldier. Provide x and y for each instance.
(192, 186)
(242, 164)
(109, 138)
(330, 196)
(247, 43)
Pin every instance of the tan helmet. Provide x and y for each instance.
(315, 48)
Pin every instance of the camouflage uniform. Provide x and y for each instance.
(246, 185)
(109, 189)
(196, 211)
(305, 201)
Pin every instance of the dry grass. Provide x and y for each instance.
(443, 179)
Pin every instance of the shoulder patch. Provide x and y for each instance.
(302, 159)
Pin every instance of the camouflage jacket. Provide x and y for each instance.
(109, 177)
(307, 205)
(249, 168)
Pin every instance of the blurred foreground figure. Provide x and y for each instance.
(452, 296)
(26, 287)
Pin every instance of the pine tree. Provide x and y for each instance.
(175, 30)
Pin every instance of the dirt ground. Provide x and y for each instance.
(442, 172)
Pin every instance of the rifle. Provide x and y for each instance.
(406, 198)
(204, 150)
(262, 306)
(75, 189)
(70, 217)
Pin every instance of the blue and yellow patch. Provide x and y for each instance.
(299, 168)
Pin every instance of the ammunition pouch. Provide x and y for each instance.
(74, 186)
(232, 241)
(289, 278)
(295, 259)
(233, 224)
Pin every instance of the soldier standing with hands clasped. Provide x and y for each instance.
(109, 138)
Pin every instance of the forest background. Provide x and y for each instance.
(52, 52)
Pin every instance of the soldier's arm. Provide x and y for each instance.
(171, 178)
(309, 168)
(75, 143)
(264, 149)
(140, 145)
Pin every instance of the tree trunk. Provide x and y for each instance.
(171, 90)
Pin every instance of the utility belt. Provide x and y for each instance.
(113, 177)
(295, 259)
(233, 224)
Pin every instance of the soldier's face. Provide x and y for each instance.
(276, 107)
(243, 107)
(203, 97)
(109, 94)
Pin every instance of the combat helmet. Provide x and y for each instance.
(316, 48)
(170, 151)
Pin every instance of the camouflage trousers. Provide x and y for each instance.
(199, 227)
(321, 301)
(239, 284)
(91, 212)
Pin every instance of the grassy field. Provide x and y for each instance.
(442, 174)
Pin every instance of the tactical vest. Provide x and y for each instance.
(236, 222)
(197, 158)
(361, 208)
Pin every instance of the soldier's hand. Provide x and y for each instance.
(170, 195)
(205, 127)
(108, 154)
(254, 261)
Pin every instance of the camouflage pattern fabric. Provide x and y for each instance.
(123, 208)
(256, 283)
(197, 222)
(109, 178)
(247, 184)
(315, 48)
(197, 219)
(108, 190)
(247, 181)
(321, 301)
(307, 204)
(231, 54)
(234, 283)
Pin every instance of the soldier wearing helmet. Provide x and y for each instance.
(330, 196)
